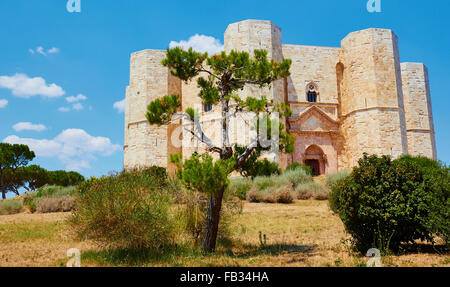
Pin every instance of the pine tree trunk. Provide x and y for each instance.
(212, 222)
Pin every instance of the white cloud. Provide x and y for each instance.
(77, 107)
(42, 51)
(64, 109)
(73, 147)
(200, 43)
(74, 107)
(78, 98)
(53, 50)
(27, 126)
(3, 103)
(75, 101)
(23, 86)
(120, 106)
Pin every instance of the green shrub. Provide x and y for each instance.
(128, 210)
(254, 166)
(284, 195)
(266, 182)
(323, 195)
(297, 176)
(264, 168)
(29, 200)
(55, 204)
(436, 176)
(240, 187)
(277, 188)
(10, 207)
(310, 190)
(55, 191)
(32, 199)
(271, 195)
(296, 165)
(384, 203)
(332, 179)
(192, 213)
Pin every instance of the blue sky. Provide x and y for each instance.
(62, 72)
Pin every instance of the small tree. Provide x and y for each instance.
(219, 78)
(12, 159)
(33, 177)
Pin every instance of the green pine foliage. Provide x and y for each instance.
(161, 110)
(201, 173)
(219, 78)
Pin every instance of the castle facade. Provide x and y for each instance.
(346, 100)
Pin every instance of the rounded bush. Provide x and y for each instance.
(240, 187)
(128, 210)
(296, 165)
(10, 207)
(384, 203)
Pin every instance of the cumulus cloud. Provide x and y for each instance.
(78, 98)
(23, 86)
(77, 107)
(3, 103)
(74, 107)
(75, 101)
(200, 43)
(120, 106)
(27, 126)
(73, 147)
(42, 51)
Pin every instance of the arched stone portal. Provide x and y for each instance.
(315, 159)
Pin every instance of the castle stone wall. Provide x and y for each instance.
(419, 115)
(147, 145)
(368, 102)
(250, 35)
(312, 64)
(372, 101)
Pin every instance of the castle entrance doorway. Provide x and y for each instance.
(315, 159)
(314, 164)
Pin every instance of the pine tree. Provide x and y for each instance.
(220, 77)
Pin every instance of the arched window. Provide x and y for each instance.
(312, 92)
(207, 108)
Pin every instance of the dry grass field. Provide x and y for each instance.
(305, 233)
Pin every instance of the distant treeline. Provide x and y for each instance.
(15, 173)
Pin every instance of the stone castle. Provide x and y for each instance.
(346, 100)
